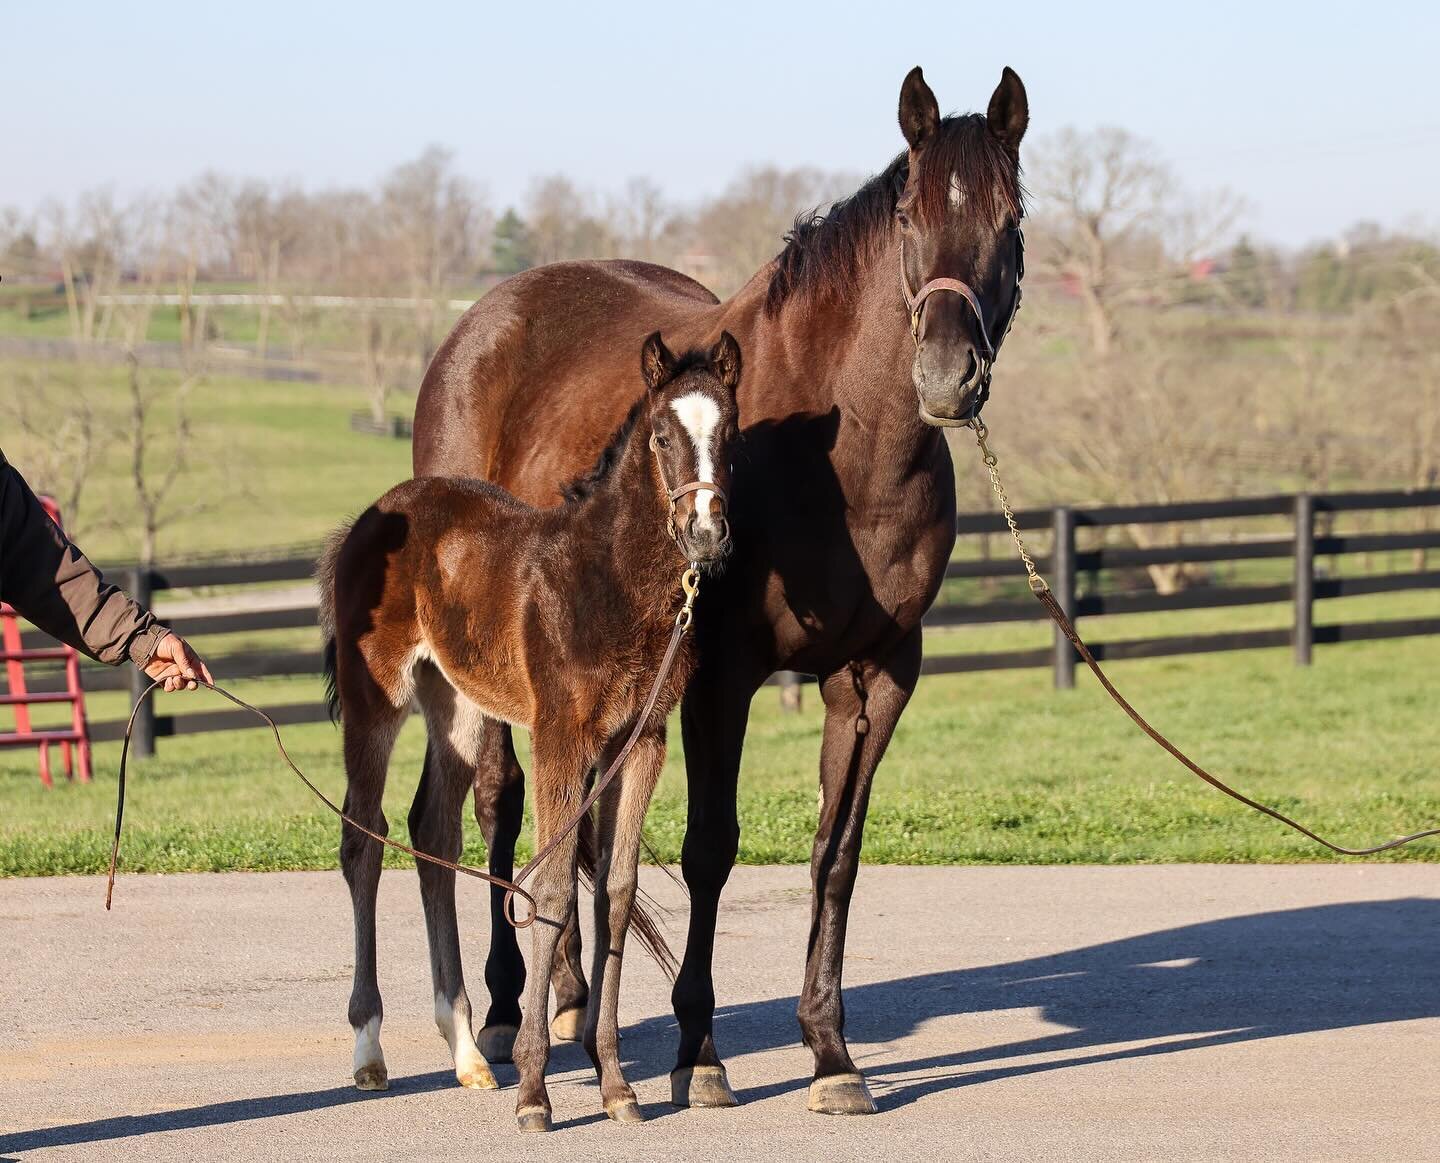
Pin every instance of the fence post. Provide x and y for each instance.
(1304, 633)
(1062, 581)
(791, 699)
(142, 741)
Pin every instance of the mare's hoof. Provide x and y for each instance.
(533, 1118)
(624, 1110)
(567, 1026)
(497, 1043)
(701, 1086)
(841, 1094)
(476, 1078)
(372, 1078)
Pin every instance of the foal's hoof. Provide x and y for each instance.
(567, 1026)
(841, 1094)
(624, 1110)
(533, 1118)
(372, 1077)
(701, 1086)
(476, 1078)
(497, 1043)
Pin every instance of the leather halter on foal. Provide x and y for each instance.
(915, 302)
(693, 487)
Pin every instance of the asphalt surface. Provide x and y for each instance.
(1184, 1012)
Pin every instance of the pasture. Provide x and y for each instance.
(985, 768)
(990, 768)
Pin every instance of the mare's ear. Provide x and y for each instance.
(656, 362)
(725, 359)
(1009, 112)
(919, 111)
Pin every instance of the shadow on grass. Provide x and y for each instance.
(1241, 979)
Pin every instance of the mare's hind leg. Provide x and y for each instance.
(622, 816)
(370, 726)
(499, 809)
(559, 776)
(453, 725)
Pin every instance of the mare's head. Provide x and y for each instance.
(958, 216)
(694, 425)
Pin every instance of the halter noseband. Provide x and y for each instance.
(674, 496)
(915, 302)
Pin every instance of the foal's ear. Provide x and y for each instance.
(919, 111)
(1009, 112)
(656, 362)
(725, 359)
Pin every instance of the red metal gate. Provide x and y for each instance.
(74, 741)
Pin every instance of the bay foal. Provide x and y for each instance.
(453, 594)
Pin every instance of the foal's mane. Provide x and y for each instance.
(824, 252)
(587, 485)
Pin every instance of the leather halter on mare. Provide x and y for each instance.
(915, 303)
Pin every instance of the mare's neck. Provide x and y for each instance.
(851, 352)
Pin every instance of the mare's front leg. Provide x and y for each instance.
(713, 717)
(863, 702)
(560, 766)
(622, 819)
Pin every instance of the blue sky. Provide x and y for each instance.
(1318, 114)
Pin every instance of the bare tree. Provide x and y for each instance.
(561, 223)
(1115, 225)
(153, 438)
(51, 420)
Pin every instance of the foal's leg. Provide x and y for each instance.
(622, 816)
(370, 726)
(453, 723)
(499, 810)
(863, 702)
(559, 776)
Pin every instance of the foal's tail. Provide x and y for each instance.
(325, 584)
(643, 913)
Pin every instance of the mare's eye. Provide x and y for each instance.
(903, 219)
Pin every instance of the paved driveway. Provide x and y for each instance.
(1185, 1012)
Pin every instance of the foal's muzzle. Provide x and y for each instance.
(702, 541)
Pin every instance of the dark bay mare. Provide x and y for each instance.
(844, 491)
(452, 593)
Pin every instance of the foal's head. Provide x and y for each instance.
(694, 426)
(959, 218)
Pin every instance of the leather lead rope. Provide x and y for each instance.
(690, 582)
(1041, 589)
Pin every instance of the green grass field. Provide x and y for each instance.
(994, 767)
(991, 768)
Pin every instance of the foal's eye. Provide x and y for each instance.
(662, 442)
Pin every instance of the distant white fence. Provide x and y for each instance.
(234, 300)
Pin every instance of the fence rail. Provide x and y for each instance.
(1065, 566)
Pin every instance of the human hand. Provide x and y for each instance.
(178, 665)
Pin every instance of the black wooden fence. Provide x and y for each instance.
(1309, 517)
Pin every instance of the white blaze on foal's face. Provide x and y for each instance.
(699, 415)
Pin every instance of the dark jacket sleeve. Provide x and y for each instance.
(46, 578)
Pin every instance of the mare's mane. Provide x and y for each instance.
(824, 252)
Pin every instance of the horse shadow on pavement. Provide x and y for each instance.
(1240, 979)
(1266, 975)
